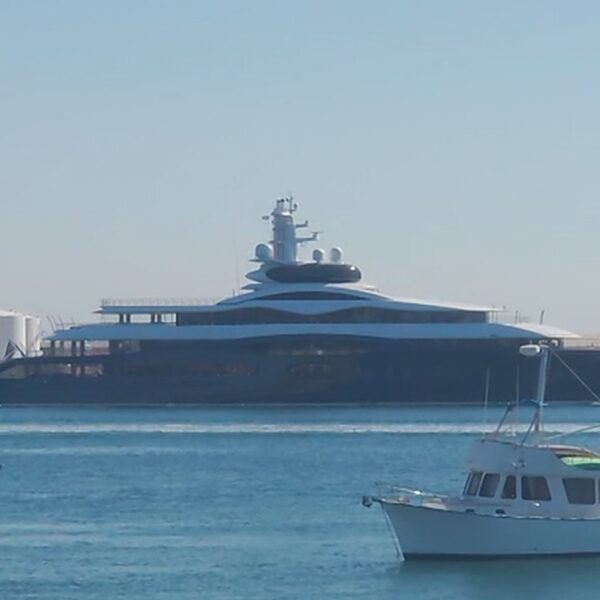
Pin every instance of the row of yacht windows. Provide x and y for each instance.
(221, 369)
(579, 490)
(307, 295)
(363, 314)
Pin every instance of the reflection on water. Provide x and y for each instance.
(550, 578)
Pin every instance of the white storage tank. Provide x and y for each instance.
(12, 334)
(32, 335)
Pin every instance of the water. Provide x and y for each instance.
(242, 503)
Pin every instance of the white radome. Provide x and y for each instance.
(337, 255)
(318, 255)
(530, 350)
(263, 252)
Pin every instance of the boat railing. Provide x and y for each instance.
(60, 325)
(509, 317)
(108, 302)
(411, 496)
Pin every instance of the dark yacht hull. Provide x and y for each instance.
(306, 371)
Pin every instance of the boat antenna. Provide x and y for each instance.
(507, 412)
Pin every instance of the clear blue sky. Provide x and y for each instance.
(451, 148)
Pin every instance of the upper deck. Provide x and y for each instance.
(286, 296)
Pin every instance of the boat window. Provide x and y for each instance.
(509, 491)
(257, 315)
(312, 369)
(473, 483)
(580, 490)
(309, 296)
(467, 482)
(535, 488)
(489, 485)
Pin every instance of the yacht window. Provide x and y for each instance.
(535, 488)
(473, 483)
(255, 315)
(509, 491)
(467, 483)
(309, 296)
(489, 485)
(580, 490)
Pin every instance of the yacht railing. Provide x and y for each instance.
(106, 302)
(510, 317)
(514, 317)
(411, 496)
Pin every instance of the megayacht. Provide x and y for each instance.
(300, 332)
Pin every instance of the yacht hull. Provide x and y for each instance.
(430, 533)
(315, 370)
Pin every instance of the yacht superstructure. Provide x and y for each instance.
(300, 332)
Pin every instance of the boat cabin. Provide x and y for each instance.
(509, 478)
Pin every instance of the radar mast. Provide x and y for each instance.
(285, 241)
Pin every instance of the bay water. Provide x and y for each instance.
(249, 502)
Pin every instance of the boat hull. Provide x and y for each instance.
(315, 370)
(429, 533)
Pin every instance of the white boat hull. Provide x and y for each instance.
(426, 533)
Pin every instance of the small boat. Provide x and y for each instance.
(524, 497)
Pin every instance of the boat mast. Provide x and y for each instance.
(543, 351)
(285, 242)
(284, 231)
(541, 386)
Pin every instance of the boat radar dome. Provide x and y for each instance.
(318, 255)
(263, 252)
(337, 255)
(530, 350)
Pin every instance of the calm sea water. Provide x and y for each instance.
(242, 503)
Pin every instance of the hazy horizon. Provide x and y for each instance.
(450, 149)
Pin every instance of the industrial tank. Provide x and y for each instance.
(32, 335)
(12, 334)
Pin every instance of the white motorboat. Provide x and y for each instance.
(522, 497)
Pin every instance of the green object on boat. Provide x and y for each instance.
(582, 462)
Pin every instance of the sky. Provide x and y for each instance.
(450, 148)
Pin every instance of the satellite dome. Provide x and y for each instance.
(318, 255)
(337, 255)
(263, 252)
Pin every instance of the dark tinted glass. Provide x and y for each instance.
(535, 488)
(509, 491)
(474, 483)
(580, 490)
(364, 314)
(489, 485)
(309, 296)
